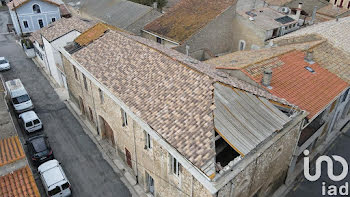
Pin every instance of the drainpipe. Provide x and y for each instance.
(19, 24)
(93, 102)
(137, 171)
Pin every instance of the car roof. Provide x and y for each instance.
(28, 116)
(39, 144)
(52, 172)
(2, 58)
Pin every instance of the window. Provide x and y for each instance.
(148, 141)
(85, 83)
(241, 45)
(54, 191)
(41, 23)
(150, 183)
(75, 73)
(36, 8)
(29, 124)
(53, 19)
(335, 2)
(25, 24)
(124, 118)
(174, 166)
(36, 121)
(91, 115)
(349, 5)
(101, 95)
(65, 186)
(159, 40)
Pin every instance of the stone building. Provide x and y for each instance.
(167, 116)
(308, 72)
(200, 28)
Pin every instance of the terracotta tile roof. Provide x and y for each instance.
(241, 59)
(20, 183)
(187, 17)
(170, 91)
(18, 3)
(10, 150)
(173, 99)
(93, 33)
(60, 28)
(332, 11)
(291, 80)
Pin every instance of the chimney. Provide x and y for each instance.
(187, 50)
(309, 57)
(313, 15)
(266, 80)
(297, 16)
(155, 5)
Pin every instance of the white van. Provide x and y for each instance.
(19, 96)
(54, 180)
(30, 121)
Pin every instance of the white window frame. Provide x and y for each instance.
(175, 166)
(124, 118)
(239, 45)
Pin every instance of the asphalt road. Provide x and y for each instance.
(88, 172)
(305, 188)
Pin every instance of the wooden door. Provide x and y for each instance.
(108, 133)
(128, 158)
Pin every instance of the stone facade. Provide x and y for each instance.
(154, 162)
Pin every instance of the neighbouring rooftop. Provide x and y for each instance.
(332, 11)
(187, 17)
(267, 18)
(19, 183)
(60, 28)
(306, 85)
(336, 32)
(18, 3)
(10, 150)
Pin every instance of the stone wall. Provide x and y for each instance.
(155, 161)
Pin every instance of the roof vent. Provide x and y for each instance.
(251, 18)
(309, 69)
(309, 57)
(266, 80)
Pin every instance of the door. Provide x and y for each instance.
(128, 158)
(108, 132)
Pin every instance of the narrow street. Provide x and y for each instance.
(305, 188)
(88, 172)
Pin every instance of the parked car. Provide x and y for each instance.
(39, 149)
(4, 64)
(30, 121)
(54, 179)
(18, 95)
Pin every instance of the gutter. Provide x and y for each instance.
(160, 37)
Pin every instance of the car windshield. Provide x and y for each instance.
(21, 99)
(39, 144)
(3, 61)
(54, 191)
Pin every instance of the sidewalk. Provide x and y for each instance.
(108, 152)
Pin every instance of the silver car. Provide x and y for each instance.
(4, 64)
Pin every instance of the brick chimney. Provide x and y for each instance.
(266, 80)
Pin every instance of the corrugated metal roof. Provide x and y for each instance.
(245, 120)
